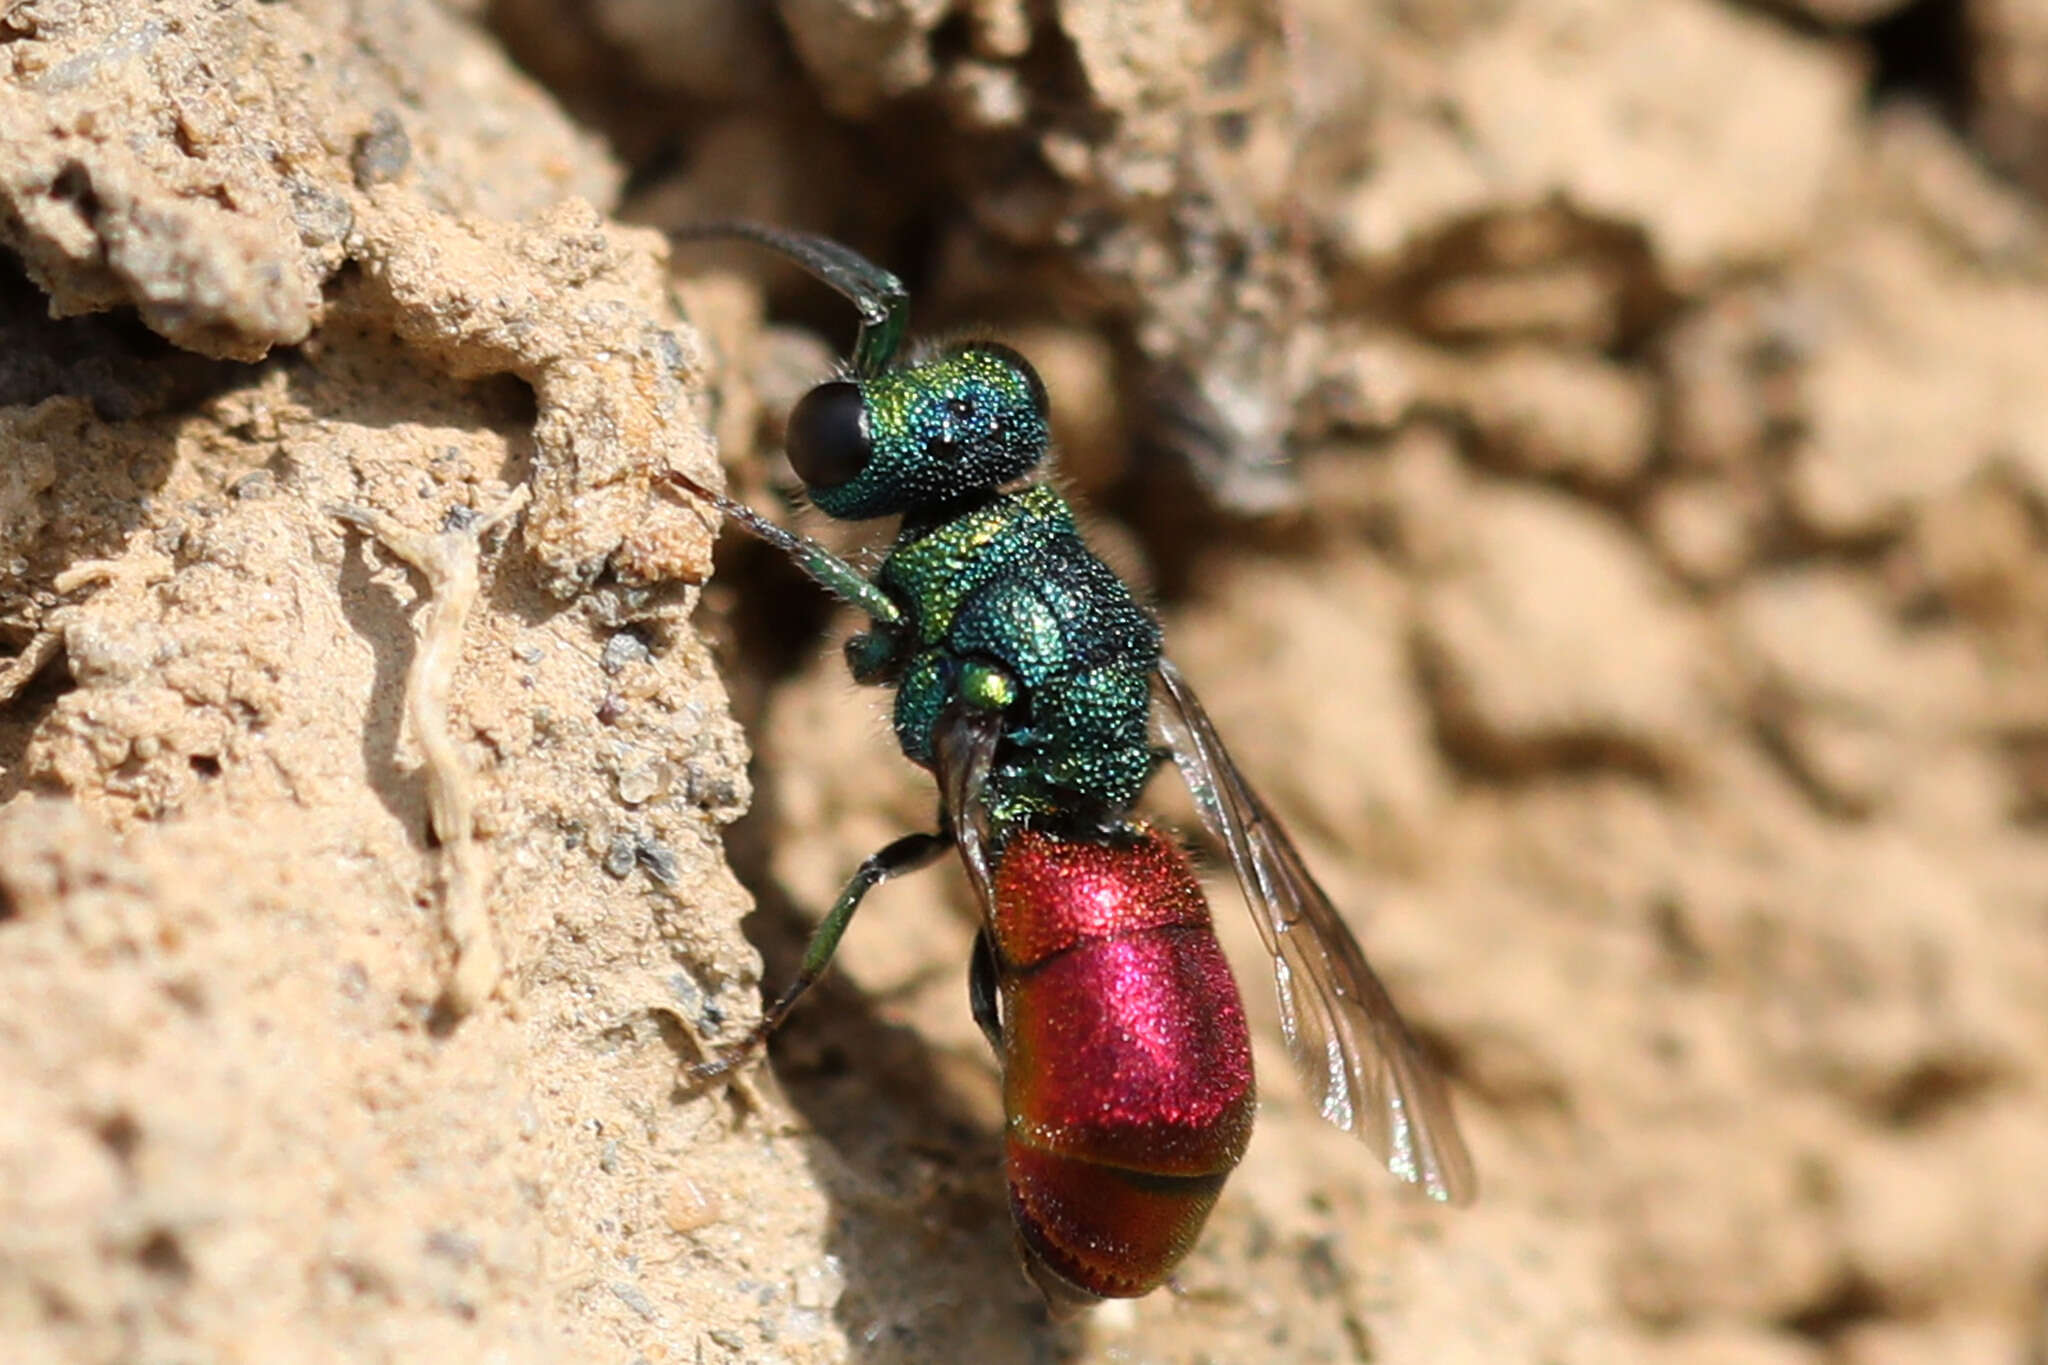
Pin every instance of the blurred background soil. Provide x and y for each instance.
(1591, 455)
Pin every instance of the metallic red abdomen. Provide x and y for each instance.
(1127, 1073)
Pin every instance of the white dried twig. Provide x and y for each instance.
(448, 562)
(48, 641)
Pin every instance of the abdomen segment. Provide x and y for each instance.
(1127, 1066)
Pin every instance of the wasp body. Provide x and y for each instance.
(1031, 683)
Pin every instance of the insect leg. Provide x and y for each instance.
(907, 854)
(982, 990)
(826, 569)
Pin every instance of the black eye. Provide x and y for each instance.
(827, 439)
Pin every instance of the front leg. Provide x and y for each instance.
(824, 568)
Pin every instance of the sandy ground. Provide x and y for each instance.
(1591, 455)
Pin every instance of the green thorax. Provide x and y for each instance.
(1009, 581)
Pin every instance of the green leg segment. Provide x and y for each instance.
(907, 854)
(826, 569)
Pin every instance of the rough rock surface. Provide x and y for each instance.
(1590, 456)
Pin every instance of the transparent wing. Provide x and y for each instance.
(1347, 1040)
(966, 744)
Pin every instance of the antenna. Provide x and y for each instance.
(883, 302)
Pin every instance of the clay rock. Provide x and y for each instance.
(1558, 640)
(1601, 107)
(160, 158)
(1845, 694)
(1319, 702)
(1930, 378)
(2010, 75)
(1550, 412)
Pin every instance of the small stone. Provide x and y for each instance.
(984, 96)
(623, 648)
(642, 783)
(635, 1300)
(687, 993)
(689, 1206)
(621, 854)
(819, 1284)
(452, 1247)
(254, 486)
(323, 218)
(659, 862)
(382, 154)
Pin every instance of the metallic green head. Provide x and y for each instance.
(927, 436)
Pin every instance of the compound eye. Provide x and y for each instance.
(827, 439)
